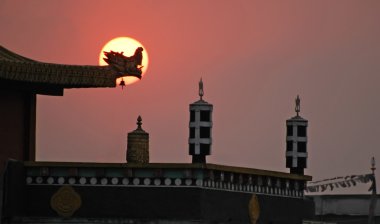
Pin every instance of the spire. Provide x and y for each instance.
(298, 105)
(139, 123)
(201, 93)
(372, 205)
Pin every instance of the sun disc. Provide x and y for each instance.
(127, 45)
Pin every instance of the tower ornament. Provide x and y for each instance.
(298, 105)
(138, 145)
(200, 128)
(201, 92)
(123, 65)
(139, 123)
(296, 141)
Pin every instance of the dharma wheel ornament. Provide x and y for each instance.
(66, 201)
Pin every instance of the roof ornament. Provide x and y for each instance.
(122, 83)
(123, 65)
(139, 123)
(298, 105)
(373, 163)
(372, 205)
(201, 93)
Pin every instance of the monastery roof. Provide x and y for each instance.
(207, 166)
(14, 67)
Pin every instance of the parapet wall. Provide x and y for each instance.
(200, 193)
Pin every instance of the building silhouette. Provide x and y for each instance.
(136, 191)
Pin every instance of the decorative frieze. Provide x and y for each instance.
(167, 182)
(205, 176)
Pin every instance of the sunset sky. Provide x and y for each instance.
(254, 58)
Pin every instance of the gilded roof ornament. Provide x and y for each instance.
(138, 145)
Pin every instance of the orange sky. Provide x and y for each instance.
(254, 58)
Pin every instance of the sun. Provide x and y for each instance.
(127, 45)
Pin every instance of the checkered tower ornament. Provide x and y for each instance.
(200, 128)
(296, 141)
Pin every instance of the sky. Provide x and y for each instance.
(254, 58)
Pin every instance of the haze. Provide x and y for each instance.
(254, 58)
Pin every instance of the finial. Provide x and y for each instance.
(139, 123)
(373, 168)
(201, 93)
(298, 105)
(122, 83)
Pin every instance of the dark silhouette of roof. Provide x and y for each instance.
(14, 67)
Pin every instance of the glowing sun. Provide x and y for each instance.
(127, 45)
